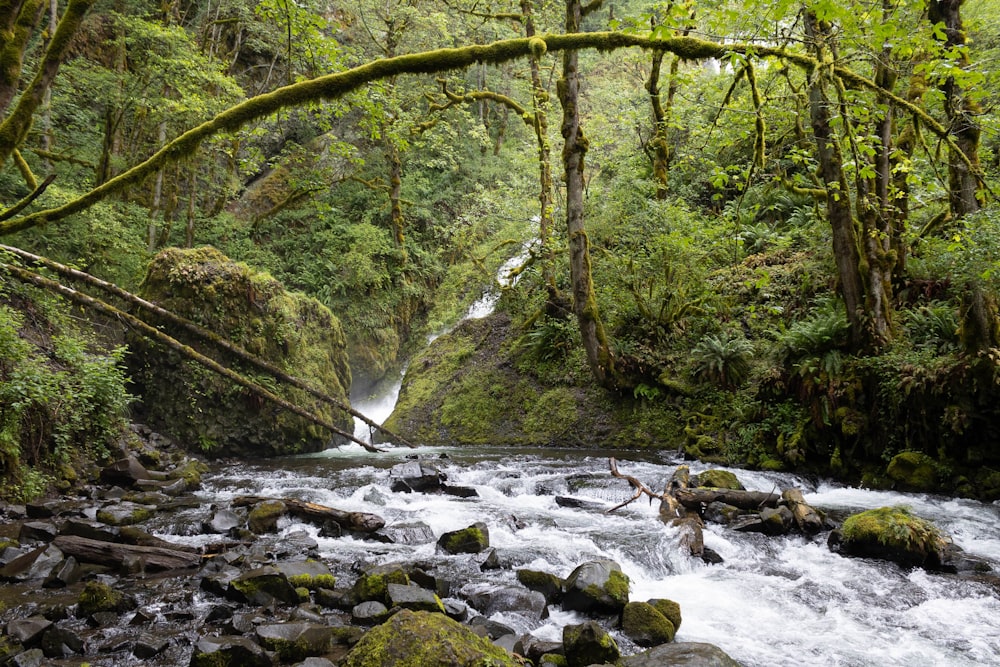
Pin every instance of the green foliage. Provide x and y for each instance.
(893, 526)
(723, 359)
(61, 401)
(810, 348)
(934, 325)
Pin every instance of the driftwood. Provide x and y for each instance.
(695, 499)
(361, 522)
(112, 553)
(808, 520)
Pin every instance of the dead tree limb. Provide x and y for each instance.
(175, 345)
(362, 522)
(640, 488)
(204, 334)
(105, 553)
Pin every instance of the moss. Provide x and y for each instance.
(670, 609)
(190, 471)
(473, 539)
(97, 597)
(137, 515)
(645, 625)
(263, 518)
(425, 639)
(254, 311)
(913, 471)
(312, 582)
(617, 586)
(375, 585)
(894, 533)
(552, 415)
(719, 479)
(553, 659)
(303, 593)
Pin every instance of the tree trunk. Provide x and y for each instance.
(18, 20)
(111, 553)
(963, 174)
(361, 522)
(838, 200)
(595, 341)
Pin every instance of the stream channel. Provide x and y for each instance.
(773, 601)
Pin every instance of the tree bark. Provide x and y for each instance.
(808, 520)
(964, 175)
(595, 340)
(838, 201)
(695, 499)
(361, 522)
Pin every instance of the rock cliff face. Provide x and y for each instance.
(468, 388)
(253, 310)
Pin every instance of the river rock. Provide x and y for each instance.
(645, 625)
(263, 518)
(35, 564)
(683, 654)
(37, 531)
(719, 512)
(92, 530)
(597, 587)
(295, 641)
(228, 651)
(425, 639)
(149, 645)
(60, 642)
(894, 534)
(913, 471)
(31, 658)
(415, 476)
(470, 540)
(589, 644)
(373, 583)
(530, 604)
(369, 613)
(262, 586)
(97, 596)
(311, 574)
(487, 627)
(124, 513)
(65, 574)
(413, 598)
(718, 479)
(29, 630)
(417, 532)
(777, 521)
(222, 522)
(533, 648)
(547, 584)
(124, 472)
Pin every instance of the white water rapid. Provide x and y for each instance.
(773, 602)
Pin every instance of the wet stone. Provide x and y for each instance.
(31, 658)
(37, 531)
(103, 619)
(229, 651)
(92, 530)
(409, 533)
(61, 643)
(413, 598)
(369, 613)
(65, 574)
(28, 631)
(147, 646)
(142, 617)
(222, 522)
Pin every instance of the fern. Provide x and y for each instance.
(724, 359)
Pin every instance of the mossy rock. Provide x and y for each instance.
(670, 609)
(425, 639)
(97, 597)
(913, 471)
(547, 584)
(895, 534)
(374, 584)
(719, 479)
(589, 644)
(596, 587)
(253, 310)
(645, 625)
(471, 540)
(263, 518)
(190, 471)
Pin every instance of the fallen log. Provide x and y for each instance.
(806, 518)
(695, 499)
(361, 522)
(112, 553)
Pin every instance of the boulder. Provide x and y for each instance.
(509, 599)
(295, 641)
(263, 518)
(668, 608)
(597, 587)
(470, 540)
(589, 644)
(228, 651)
(683, 654)
(97, 597)
(645, 625)
(263, 586)
(253, 310)
(415, 476)
(426, 639)
(60, 642)
(718, 479)
(408, 533)
(374, 583)
(28, 631)
(547, 584)
(777, 521)
(413, 598)
(894, 534)
(913, 471)
(369, 613)
(124, 472)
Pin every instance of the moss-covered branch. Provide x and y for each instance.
(333, 86)
(32, 196)
(147, 331)
(200, 332)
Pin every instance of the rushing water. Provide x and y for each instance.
(774, 601)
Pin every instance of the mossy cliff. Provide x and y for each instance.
(253, 310)
(468, 388)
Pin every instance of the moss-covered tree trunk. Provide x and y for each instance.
(595, 340)
(963, 170)
(18, 19)
(831, 173)
(659, 145)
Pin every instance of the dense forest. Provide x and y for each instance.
(763, 232)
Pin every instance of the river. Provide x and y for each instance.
(773, 601)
